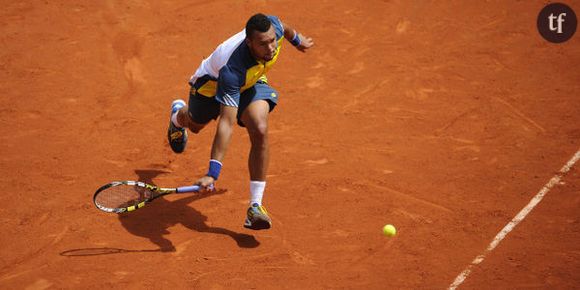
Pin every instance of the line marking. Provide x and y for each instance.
(516, 220)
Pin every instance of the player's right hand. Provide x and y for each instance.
(205, 182)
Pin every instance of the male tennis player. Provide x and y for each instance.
(231, 83)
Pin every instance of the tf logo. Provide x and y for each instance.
(557, 22)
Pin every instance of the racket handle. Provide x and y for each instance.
(192, 188)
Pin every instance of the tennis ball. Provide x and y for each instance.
(389, 230)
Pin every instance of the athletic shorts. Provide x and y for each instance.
(203, 109)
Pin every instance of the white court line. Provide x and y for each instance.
(516, 220)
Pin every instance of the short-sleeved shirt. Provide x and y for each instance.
(231, 69)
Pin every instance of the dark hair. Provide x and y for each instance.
(258, 22)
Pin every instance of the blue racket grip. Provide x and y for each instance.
(192, 188)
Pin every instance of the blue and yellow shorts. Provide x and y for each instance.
(203, 109)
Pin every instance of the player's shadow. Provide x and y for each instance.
(153, 220)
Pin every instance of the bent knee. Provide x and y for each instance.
(195, 128)
(259, 131)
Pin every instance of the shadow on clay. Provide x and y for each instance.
(153, 221)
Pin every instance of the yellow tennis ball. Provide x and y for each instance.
(389, 230)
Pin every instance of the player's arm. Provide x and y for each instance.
(228, 94)
(300, 41)
(224, 131)
(221, 142)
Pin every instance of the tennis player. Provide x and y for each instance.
(231, 86)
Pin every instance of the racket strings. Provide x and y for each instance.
(123, 196)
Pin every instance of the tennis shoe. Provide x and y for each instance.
(177, 136)
(257, 218)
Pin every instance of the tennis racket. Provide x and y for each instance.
(126, 196)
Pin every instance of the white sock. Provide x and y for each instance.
(257, 191)
(174, 120)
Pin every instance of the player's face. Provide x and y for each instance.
(263, 44)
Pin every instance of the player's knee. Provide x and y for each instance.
(195, 128)
(259, 132)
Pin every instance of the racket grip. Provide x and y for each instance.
(192, 188)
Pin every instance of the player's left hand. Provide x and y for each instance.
(305, 43)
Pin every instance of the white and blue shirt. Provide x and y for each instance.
(231, 69)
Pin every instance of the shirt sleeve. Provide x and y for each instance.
(228, 87)
(277, 26)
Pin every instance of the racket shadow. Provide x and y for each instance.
(153, 221)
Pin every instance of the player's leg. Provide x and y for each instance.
(183, 119)
(255, 119)
(255, 106)
(196, 116)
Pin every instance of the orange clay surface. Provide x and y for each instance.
(442, 118)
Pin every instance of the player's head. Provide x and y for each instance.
(261, 37)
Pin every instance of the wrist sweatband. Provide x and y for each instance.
(296, 39)
(214, 169)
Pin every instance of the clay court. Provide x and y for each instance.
(444, 118)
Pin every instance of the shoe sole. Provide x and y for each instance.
(176, 150)
(257, 225)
